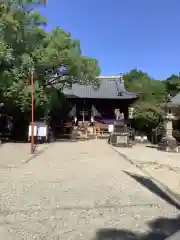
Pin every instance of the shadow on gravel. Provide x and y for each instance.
(151, 146)
(151, 186)
(160, 229)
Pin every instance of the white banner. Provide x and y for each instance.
(72, 112)
(94, 112)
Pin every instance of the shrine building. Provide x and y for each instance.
(100, 102)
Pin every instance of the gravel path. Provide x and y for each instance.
(162, 166)
(78, 191)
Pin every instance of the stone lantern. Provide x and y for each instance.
(168, 142)
(131, 113)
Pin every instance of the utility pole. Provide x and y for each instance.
(32, 111)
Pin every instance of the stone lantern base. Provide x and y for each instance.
(168, 144)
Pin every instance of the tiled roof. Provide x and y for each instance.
(176, 100)
(110, 88)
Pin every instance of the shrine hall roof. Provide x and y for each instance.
(111, 87)
(176, 100)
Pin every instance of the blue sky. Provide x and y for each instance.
(123, 34)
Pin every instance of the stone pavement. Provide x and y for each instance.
(163, 166)
(82, 190)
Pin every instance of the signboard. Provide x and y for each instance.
(110, 128)
(40, 129)
(122, 139)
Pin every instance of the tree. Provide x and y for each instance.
(173, 84)
(55, 57)
(152, 93)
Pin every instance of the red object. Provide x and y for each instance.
(32, 112)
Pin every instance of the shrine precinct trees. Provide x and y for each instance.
(55, 57)
(57, 60)
(152, 93)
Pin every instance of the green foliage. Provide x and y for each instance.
(152, 93)
(173, 84)
(24, 45)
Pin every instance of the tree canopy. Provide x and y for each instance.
(26, 46)
(153, 92)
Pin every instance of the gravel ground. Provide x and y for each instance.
(81, 190)
(162, 166)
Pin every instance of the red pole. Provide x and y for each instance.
(32, 112)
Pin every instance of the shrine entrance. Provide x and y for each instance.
(84, 114)
(83, 110)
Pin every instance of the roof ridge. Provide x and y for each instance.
(109, 77)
